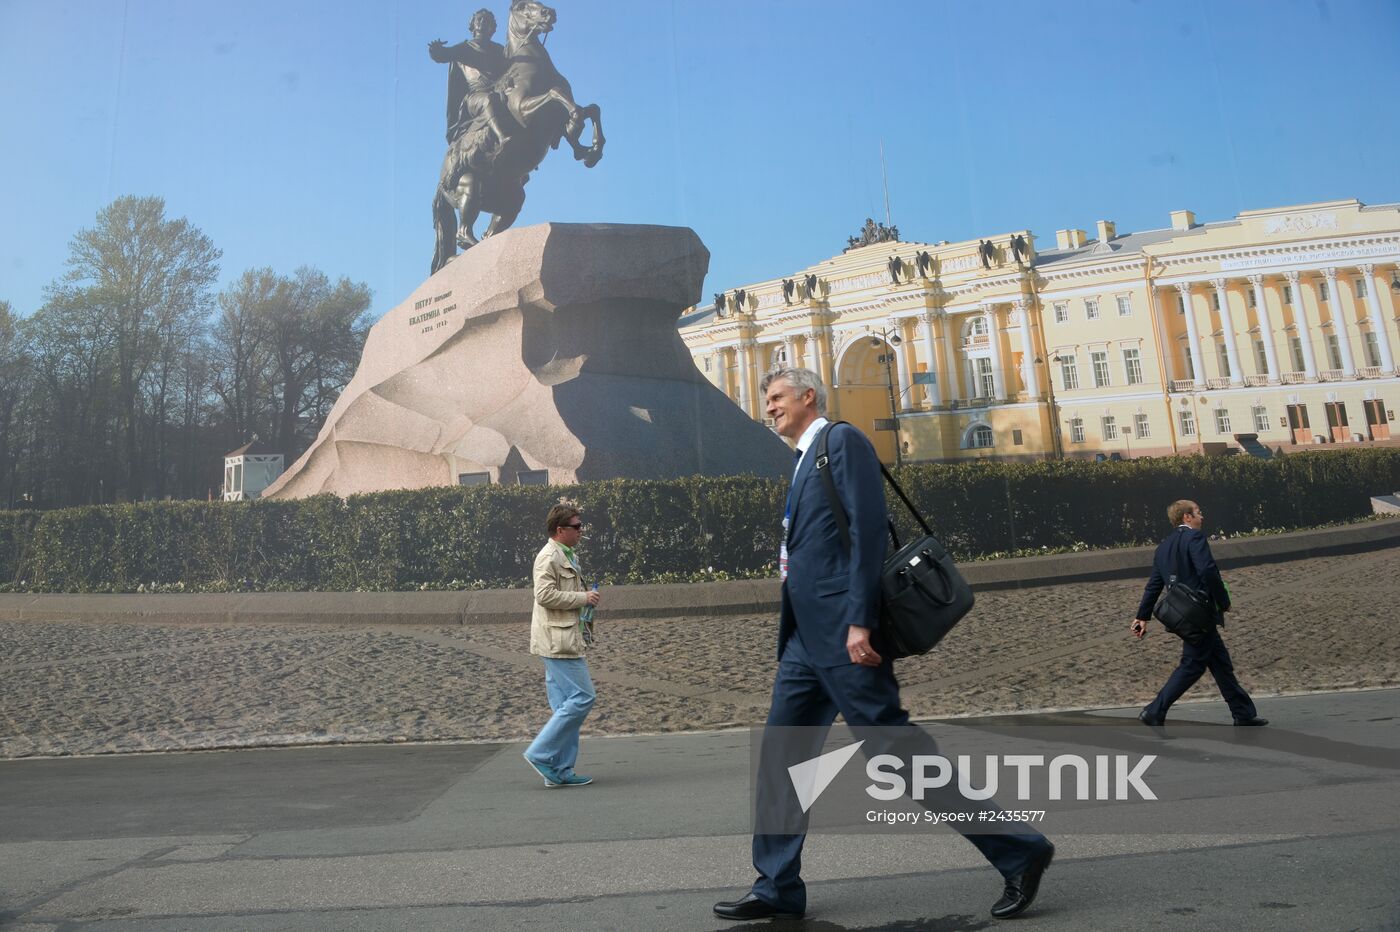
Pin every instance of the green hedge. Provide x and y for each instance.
(647, 531)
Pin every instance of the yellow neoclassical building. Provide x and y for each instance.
(1277, 328)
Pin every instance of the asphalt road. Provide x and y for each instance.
(1296, 828)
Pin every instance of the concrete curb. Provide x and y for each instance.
(737, 597)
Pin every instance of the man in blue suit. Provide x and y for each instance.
(1186, 556)
(829, 657)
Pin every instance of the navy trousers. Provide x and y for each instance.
(1196, 659)
(805, 694)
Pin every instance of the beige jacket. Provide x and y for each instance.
(559, 594)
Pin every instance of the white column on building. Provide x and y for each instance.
(931, 389)
(1163, 334)
(902, 352)
(1023, 319)
(994, 339)
(1227, 325)
(816, 356)
(952, 369)
(1266, 326)
(1300, 324)
(1377, 318)
(789, 350)
(1339, 323)
(1193, 337)
(745, 367)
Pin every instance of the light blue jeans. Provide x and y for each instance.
(571, 695)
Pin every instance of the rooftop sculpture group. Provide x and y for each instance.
(506, 107)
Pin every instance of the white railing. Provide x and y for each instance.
(1294, 378)
(1256, 380)
(1369, 372)
(1329, 375)
(1182, 385)
(1217, 383)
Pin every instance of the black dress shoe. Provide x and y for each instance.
(1256, 720)
(1021, 890)
(751, 907)
(1150, 720)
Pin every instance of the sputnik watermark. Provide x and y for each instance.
(1114, 776)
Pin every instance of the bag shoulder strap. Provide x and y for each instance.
(838, 513)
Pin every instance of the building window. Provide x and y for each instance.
(1109, 423)
(1222, 420)
(1180, 303)
(1224, 355)
(1287, 294)
(1261, 419)
(1189, 364)
(1061, 313)
(1295, 347)
(1076, 430)
(473, 478)
(1215, 300)
(1016, 437)
(1261, 357)
(1141, 427)
(1132, 365)
(1069, 372)
(1100, 361)
(1091, 309)
(1334, 351)
(982, 437)
(1188, 424)
(979, 326)
(1323, 294)
(1125, 306)
(1250, 299)
(985, 383)
(532, 477)
(1372, 347)
(709, 363)
(1360, 288)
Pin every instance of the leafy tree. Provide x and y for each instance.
(149, 277)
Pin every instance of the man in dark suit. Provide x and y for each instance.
(1186, 556)
(829, 658)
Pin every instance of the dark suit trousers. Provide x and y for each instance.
(805, 694)
(1196, 659)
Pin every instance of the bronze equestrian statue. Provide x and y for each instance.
(506, 108)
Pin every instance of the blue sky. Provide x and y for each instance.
(311, 132)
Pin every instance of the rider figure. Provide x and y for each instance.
(471, 84)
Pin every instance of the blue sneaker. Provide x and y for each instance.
(574, 779)
(550, 775)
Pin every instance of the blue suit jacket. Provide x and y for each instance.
(1185, 555)
(828, 588)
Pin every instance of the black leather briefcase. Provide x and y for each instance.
(1185, 612)
(922, 594)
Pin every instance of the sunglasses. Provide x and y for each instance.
(574, 527)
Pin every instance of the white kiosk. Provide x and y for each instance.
(250, 469)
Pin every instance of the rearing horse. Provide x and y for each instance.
(482, 172)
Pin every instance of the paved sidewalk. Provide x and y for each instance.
(464, 837)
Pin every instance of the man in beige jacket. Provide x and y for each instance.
(558, 636)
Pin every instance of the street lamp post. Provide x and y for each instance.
(890, 340)
(1056, 442)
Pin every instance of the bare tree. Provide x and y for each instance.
(15, 370)
(239, 353)
(314, 332)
